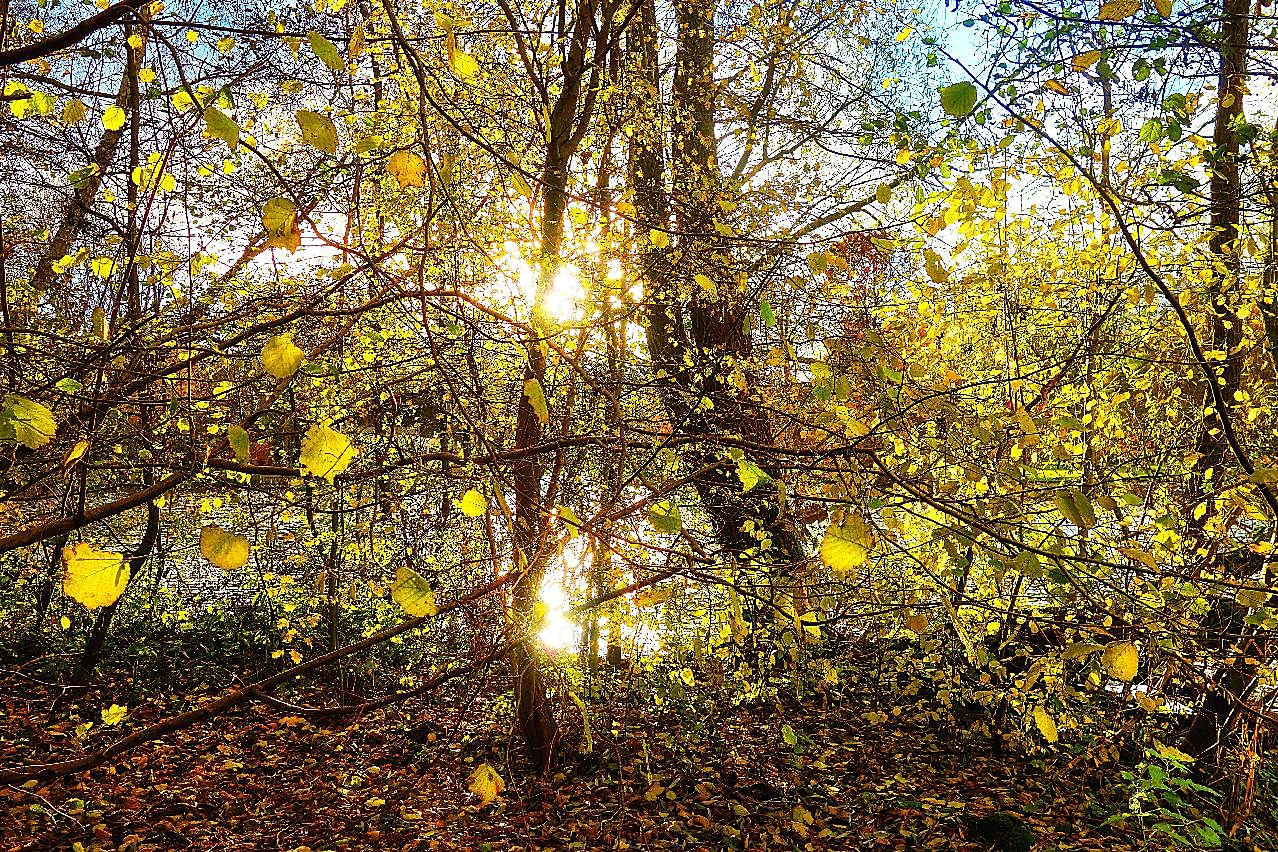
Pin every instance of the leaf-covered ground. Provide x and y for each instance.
(720, 777)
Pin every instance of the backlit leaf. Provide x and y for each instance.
(473, 504)
(664, 517)
(326, 452)
(318, 130)
(95, 578)
(27, 422)
(113, 118)
(1046, 725)
(847, 544)
(537, 399)
(281, 357)
(224, 549)
(239, 440)
(413, 594)
(408, 168)
(279, 219)
(1121, 660)
(325, 51)
(218, 125)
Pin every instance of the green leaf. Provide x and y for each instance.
(325, 51)
(766, 314)
(69, 386)
(413, 594)
(959, 99)
(664, 517)
(218, 125)
(27, 422)
(239, 443)
(750, 475)
(318, 131)
(790, 737)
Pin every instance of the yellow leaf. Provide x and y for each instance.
(281, 357)
(408, 168)
(279, 219)
(1046, 725)
(1144, 557)
(1121, 660)
(1083, 61)
(1056, 86)
(226, 550)
(1164, 7)
(326, 452)
(472, 504)
(652, 596)
(917, 623)
(318, 130)
(660, 239)
(1117, 10)
(883, 194)
(846, 545)
(1252, 598)
(93, 577)
(113, 118)
(935, 267)
(462, 63)
(413, 594)
(114, 714)
(537, 399)
(74, 112)
(486, 784)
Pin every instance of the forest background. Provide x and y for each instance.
(587, 391)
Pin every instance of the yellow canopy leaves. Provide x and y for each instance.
(95, 578)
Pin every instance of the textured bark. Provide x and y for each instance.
(569, 118)
(699, 343)
(1224, 632)
(85, 195)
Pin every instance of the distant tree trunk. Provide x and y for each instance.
(698, 335)
(1224, 633)
(568, 119)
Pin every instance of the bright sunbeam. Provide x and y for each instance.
(563, 299)
(557, 632)
(565, 295)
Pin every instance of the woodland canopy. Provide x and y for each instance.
(638, 424)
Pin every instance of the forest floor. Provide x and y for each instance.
(854, 776)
